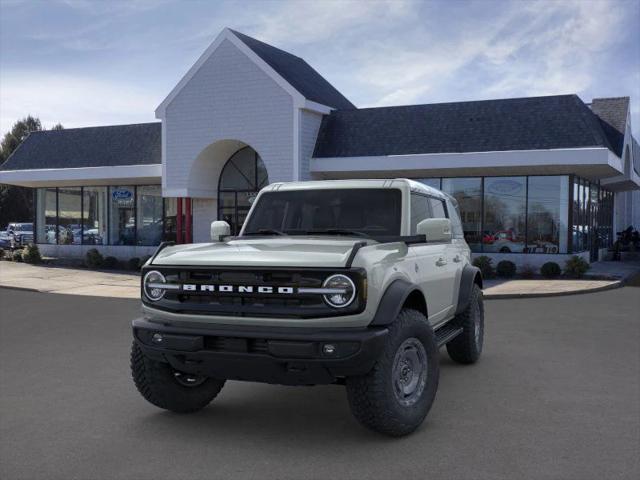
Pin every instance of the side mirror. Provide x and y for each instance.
(219, 230)
(435, 229)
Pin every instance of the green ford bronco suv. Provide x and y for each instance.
(352, 282)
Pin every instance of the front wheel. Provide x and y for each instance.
(170, 389)
(396, 395)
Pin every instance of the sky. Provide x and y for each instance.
(86, 63)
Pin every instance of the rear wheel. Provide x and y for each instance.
(467, 347)
(396, 395)
(170, 389)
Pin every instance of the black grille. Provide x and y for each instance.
(296, 305)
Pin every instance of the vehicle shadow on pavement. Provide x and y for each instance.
(275, 414)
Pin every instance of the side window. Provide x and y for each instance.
(420, 209)
(438, 208)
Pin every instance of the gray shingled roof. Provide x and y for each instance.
(613, 116)
(88, 147)
(298, 73)
(533, 123)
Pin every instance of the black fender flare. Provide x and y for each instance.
(392, 301)
(467, 279)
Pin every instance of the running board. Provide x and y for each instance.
(447, 333)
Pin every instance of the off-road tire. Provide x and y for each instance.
(371, 396)
(466, 347)
(157, 384)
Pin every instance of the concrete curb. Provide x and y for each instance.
(25, 289)
(506, 296)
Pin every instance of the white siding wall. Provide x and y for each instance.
(309, 126)
(228, 98)
(205, 211)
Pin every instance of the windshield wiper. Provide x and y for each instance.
(339, 231)
(266, 231)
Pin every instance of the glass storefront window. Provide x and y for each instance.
(94, 215)
(69, 216)
(468, 193)
(149, 215)
(504, 215)
(430, 182)
(122, 219)
(547, 214)
(46, 215)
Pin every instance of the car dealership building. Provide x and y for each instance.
(536, 179)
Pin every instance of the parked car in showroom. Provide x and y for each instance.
(19, 234)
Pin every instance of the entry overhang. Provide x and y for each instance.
(67, 177)
(592, 163)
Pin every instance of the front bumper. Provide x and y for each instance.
(287, 356)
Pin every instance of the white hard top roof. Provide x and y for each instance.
(356, 183)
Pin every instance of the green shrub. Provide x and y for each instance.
(16, 256)
(31, 254)
(110, 263)
(527, 271)
(576, 267)
(133, 264)
(550, 270)
(506, 269)
(484, 263)
(94, 258)
(1, 253)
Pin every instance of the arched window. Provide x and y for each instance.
(242, 177)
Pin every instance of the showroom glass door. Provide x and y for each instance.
(242, 177)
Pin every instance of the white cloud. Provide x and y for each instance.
(73, 101)
(532, 48)
(315, 21)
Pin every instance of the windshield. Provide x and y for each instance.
(360, 212)
(23, 227)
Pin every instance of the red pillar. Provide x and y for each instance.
(179, 220)
(187, 215)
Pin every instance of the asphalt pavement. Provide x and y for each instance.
(555, 395)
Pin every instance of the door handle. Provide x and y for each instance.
(457, 259)
(441, 262)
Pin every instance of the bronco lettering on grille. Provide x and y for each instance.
(192, 287)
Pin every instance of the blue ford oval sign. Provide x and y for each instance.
(121, 194)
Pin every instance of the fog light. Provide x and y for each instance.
(157, 338)
(328, 349)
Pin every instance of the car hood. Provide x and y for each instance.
(262, 252)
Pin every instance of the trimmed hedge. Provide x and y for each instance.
(31, 254)
(133, 264)
(484, 263)
(576, 267)
(110, 263)
(550, 270)
(93, 258)
(506, 269)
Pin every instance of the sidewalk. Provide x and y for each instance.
(74, 281)
(70, 281)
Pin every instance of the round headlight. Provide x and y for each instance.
(342, 291)
(151, 289)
